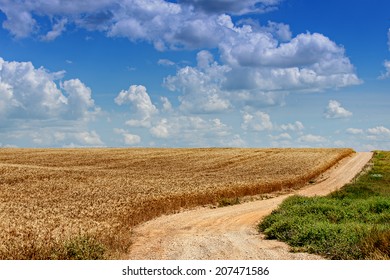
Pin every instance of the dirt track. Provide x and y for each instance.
(229, 232)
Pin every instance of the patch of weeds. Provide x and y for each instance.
(376, 244)
(82, 247)
(228, 201)
(352, 223)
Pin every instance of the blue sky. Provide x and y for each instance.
(195, 73)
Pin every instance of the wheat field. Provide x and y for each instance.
(83, 203)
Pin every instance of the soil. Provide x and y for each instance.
(230, 232)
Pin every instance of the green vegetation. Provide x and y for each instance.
(82, 248)
(352, 223)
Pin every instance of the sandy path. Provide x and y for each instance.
(229, 232)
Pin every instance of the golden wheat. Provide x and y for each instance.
(48, 196)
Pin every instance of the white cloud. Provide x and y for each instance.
(334, 110)
(128, 138)
(58, 28)
(44, 135)
(134, 19)
(309, 62)
(282, 136)
(166, 104)
(297, 126)
(232, 6)
(88, 138)
(200, 86)
(233, 141)
(204, 59)
(280, 30)
(161, 130)
(265, 58)
(32, 93)
(35, 108)
(19, 22)
(386, 63)
(379, 130)
(385, 75)
(258, 70)
(79, 98)
(258, 121)
(310, 138)
(165, 62)
(131, 139)
(355, 131)
(139, 99)
(194, 131)
(375, 138)
(174, 127)
(138, 123)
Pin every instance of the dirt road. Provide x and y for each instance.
(229, 232)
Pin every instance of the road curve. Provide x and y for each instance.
(229, 232)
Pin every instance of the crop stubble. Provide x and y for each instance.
(48, 196)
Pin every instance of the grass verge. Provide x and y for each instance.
(352, 223)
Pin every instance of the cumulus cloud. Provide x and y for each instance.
(29, 92)
(58, 28)
(172, 126)
(166, 104)
(39, 134)
(296, 127)
(258, 121)
(140, 102)
(309, 62)
(234, 141)
(161, 130)
(201, 86)
(19, 22)
(336, 111)
(131, 139)
(165, 62)
(279, 30)
(233, 6)
(310, 138)
(194, 131)
(379, 130)
(32, 93)
(79, 98)
(354, 131)
(375, 137)
(45, 111)
(128, 138)
(379, 136)
(20, 14)
(258, 70)
(266, 58)
(282, 136)
(89, 138)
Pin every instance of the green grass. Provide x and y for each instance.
(352, 223)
